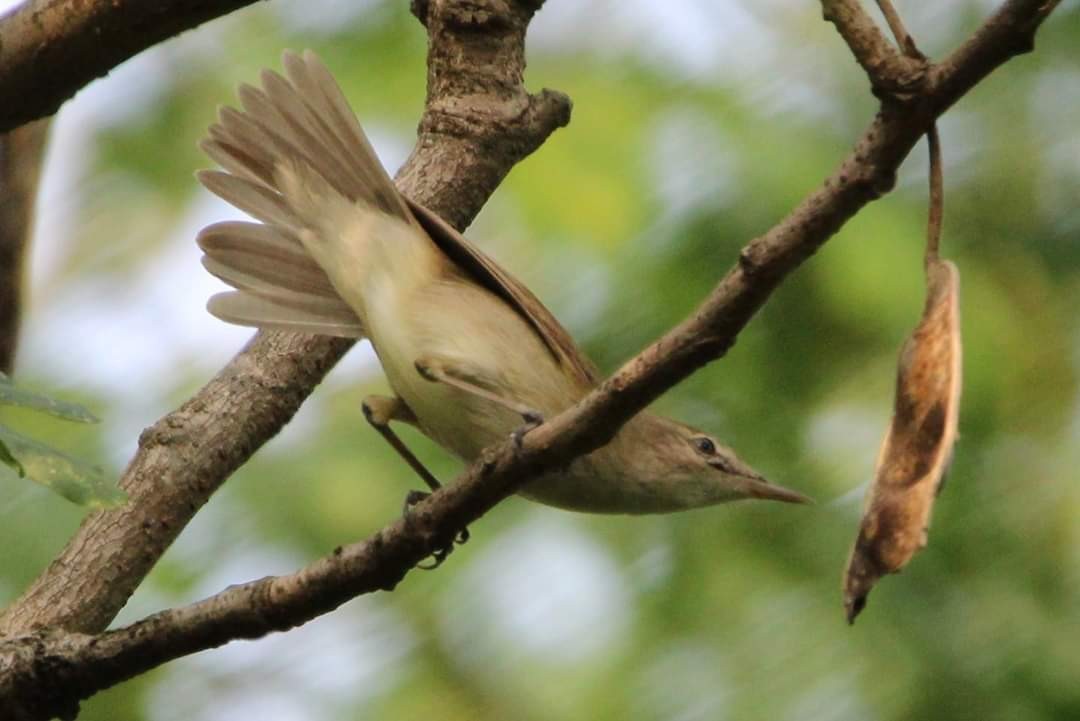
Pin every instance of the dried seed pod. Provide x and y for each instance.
(918, 446)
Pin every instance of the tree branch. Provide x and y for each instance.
(890, 72)
(90, 663)
(899, 32)
(1008, 32)
(185, 456)
(50, 49)
(21, 154)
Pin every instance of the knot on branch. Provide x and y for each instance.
(904, 80)
(499, 123)
(167, 431)
(894, 76)
(483, 136)
(751, 259)
(548, 110)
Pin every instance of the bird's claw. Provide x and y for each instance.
(437, 557)
(411, 499)
(439, 554)
(533, 420)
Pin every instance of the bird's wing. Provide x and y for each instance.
(484, 270)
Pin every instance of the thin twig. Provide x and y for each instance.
(900, 33)
(937, 197)
(937, 181)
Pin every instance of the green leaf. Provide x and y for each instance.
(75, 480)
(14, 396)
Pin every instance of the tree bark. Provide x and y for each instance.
(21, 155)
(53, 48)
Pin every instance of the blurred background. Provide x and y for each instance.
(696, 126)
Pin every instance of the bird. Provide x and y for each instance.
(472, 356)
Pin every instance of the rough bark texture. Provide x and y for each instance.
(49, 49)
(87, 663)
(21, 154)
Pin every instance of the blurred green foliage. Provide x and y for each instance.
(26, 457)
(664, 172)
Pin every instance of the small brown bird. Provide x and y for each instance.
(469, 352)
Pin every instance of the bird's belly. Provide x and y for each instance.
(595, 484)
(584, 487)
(429, 325)
(459, 422)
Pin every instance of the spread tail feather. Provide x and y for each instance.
(294, 127)
(243, 308)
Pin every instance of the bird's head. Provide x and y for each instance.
(687, 468)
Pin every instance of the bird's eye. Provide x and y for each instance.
(705, 445)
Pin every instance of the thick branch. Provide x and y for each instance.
(479, 103)
(185, 456)
(278, 603)
(50, 49)
(21, 154)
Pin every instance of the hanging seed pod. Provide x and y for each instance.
(918, 446)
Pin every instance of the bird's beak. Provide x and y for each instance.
(753, 485)
(760, 488)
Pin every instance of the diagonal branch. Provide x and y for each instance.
(50, 49)
(899, 31)
(1009, 31)
(184, 457)
(89, 663)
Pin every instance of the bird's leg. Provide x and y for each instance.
(379, 411)
(435, 370)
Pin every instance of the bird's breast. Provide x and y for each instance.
(466, 329)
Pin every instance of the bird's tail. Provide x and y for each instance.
(294, 147)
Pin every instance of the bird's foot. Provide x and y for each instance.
(533, 420)
(439, 554)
